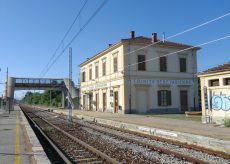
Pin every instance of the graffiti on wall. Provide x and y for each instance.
(220, 102)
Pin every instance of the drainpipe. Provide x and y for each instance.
(130, 87)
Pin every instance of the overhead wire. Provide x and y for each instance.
(64, 37)
(180, 33)
(189, 48)
(183, 32)
(171, 53)
(99, 8)
(76, 35)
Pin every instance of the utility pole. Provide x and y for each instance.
(195, 83)
(70, 86)
(7, 99)
(50, 98)
(2, 96)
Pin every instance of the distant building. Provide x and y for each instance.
(215, 94)
(133, 76)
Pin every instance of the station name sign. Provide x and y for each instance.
(97, 86)
(162, 82)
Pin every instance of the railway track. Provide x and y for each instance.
(70, 149)
(118, 145)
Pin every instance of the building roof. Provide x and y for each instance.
(219, 68)
(142, 40)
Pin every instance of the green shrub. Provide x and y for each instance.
(227, 122)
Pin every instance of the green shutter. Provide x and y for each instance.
(169, 102)
(159, 98)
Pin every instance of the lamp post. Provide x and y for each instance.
(6, 94)
(70, 86)
(50, 98)
(195, 82)
(4, 83)
(2, 94)
(2, 101)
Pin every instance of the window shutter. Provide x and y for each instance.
(115, 64)
(141, 62)
(183, 64)
(169, 102)
(227, 81)
(163, 64)
(83, 77)
(96, 71)
(159, 98)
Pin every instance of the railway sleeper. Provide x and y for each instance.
(178, 143)
(87, 160)
(155, 148)
(95, 151)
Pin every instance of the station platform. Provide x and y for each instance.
(18, 143)
(191, 132)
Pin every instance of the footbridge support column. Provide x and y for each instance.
(63, 99)
(10, 94)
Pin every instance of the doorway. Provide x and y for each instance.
(90, 101)
(84, 101)
(183, 100)
(116, 107)
(97, 101)
(104, 102)
(142, 101)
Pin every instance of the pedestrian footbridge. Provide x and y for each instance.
(65, 85)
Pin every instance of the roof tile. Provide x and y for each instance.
(219, 68)
(142, 39)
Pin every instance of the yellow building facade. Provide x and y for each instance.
(140, 75)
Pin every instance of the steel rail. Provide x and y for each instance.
(60, 153)
(178, 143)
(156, 148)
(83, 144)
(156, 138)
(153, 147)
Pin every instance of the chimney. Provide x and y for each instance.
(154, 37)
(132, 34)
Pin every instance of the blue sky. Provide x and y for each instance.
(30, 30)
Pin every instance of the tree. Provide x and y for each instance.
(43, 98)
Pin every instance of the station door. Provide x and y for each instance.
(184, 100)
(142, 101)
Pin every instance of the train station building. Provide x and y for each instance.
(141, 75)
(215, 94)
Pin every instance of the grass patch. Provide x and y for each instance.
(5, 129)
(227, 122)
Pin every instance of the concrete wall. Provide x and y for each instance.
(10, 93)
(217, 99)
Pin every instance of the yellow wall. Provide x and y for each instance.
(120, 81)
